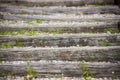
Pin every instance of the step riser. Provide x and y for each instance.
(59, 2)
(66, 10)
(71, 54)
(76, 28)
(67, 69)
(62, 40)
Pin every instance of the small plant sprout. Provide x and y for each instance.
(56, 31)
(9, 45)
(113, 75)
(32, 32)
(23, 12)
(86, 71)
(111, 30)
(96, 5)
(22, 32)
(31, 73)
(27, 5)
(80, 45)
(39, 21)
(30, 22)
(1, 60)
(18, 44)
(106, 42)
(1, 46)
(3, 75)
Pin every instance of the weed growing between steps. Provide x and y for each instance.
(113, 75)
(86, 72)
(7, 45)
(11, 45)
(29, 22)
(20, 32)
(106, 42)
(31, 32)
(111, 30)
(32, 75)
(97, 5)
(56, 31)
(23, 12)
(18, 44)
(30, 72)
(37, 21)
(80, 45)
(1, 60)
(28, 5)
(3, 75)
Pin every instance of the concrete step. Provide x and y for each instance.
(63, 17)
(65, 68)
(61, 40)
(58, 2)
(58, 27)
(110, 53)
(90, 9)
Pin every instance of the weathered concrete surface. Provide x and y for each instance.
(63, 17)
(111, 53)
(63, 40)
(99, 69)
(63, 27)
(59, 2)
(54, 10)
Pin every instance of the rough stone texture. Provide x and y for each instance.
(99, 69)
(60, 2)
(67, 54)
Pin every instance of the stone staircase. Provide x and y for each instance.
(59, 40)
